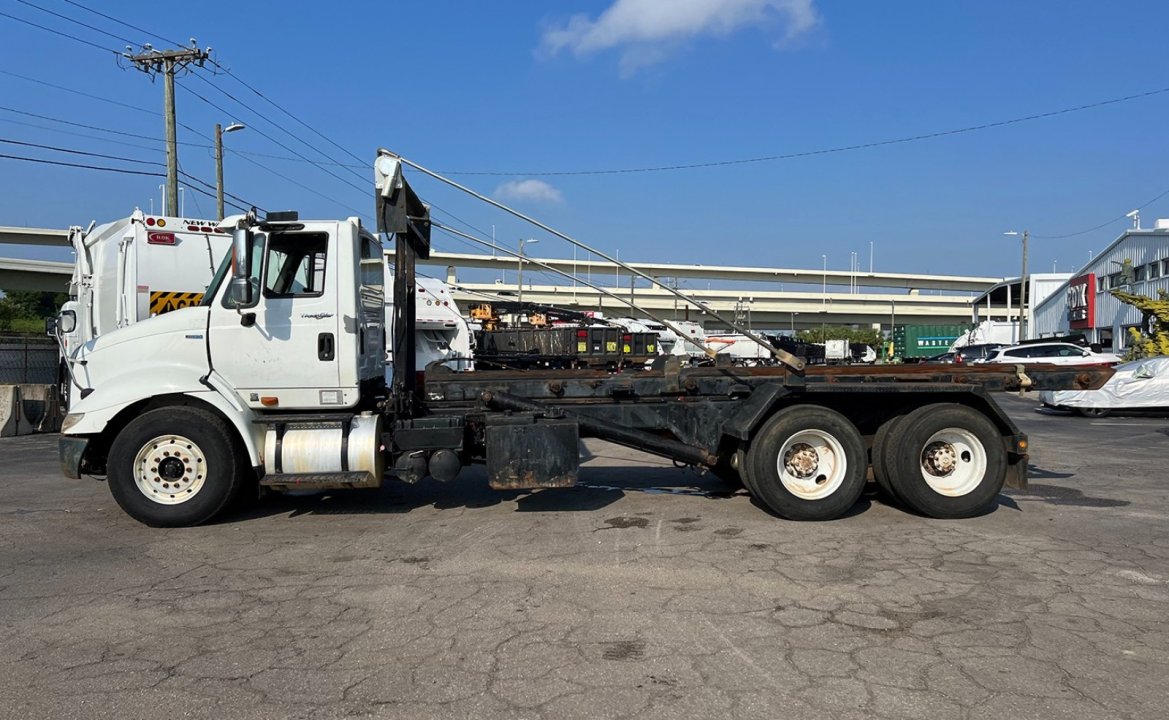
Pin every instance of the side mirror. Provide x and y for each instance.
(51, 327)
(66, 322)
(240, 290)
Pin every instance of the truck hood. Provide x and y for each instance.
(190, 322)
(163, 354)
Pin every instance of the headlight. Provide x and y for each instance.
(70, 420)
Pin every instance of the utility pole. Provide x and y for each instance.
(520, 269)
(166, 62)
(1022, 286)
(219, 130)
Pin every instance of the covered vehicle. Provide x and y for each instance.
(1136, 385)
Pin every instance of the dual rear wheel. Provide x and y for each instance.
(942, 460)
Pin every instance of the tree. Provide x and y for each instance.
(24, 310)
(33, 304)
(863, 336)
(1155, 339)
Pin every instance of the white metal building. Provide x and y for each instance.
(1006, 297)
(1136, 262)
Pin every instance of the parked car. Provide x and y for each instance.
(1137, 385)
(1056, 353)
(976, 353)
(947, 358)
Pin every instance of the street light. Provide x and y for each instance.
(1023, 286)
(219, 130)
(520, 270)
(824, 286)
(794, 323)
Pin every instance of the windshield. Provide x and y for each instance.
(213, 287)
(225, 268)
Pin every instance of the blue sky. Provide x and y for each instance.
(522, 87)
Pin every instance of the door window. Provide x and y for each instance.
(295, 265)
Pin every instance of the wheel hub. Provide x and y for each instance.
(940, 459)
(170, 469)
(802, 460)
(954, 462)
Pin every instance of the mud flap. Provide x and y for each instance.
(1017, 471)
(72, 451)
(524, 451)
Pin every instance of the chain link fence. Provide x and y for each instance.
(28, 359)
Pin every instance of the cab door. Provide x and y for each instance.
(280, 350)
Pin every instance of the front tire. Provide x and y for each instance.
(808, 463)
(1094, 412)
(174, 467)
(947, 461)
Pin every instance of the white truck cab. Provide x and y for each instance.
(299, 330)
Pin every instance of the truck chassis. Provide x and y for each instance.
(800, 440)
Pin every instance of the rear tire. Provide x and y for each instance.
(947, 461)
(727, 474)
(174, 467)
(808, 463)
(745, 472)
(881, 452)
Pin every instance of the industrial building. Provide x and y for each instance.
(1011, 299)
(1137, 262)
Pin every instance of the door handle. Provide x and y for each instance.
(326, 348)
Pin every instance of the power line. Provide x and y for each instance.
(245, 206)
(9, 141)
(123, 171)
(188, 128)
(302, 186)
(277, 142)
(826, 151)
(83, 125)
(227, 71)
(123, 22)
(75, 21)
(277, 125)
(58, 32)
(1101, 225)
(140, 136)
(302, 157)
(77, 92)
(194, 198)
(72, 151)
(77, 134)
(271, 102)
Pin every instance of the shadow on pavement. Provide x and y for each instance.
(597, 487)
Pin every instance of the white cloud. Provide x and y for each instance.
(647, 31)
(529, 191)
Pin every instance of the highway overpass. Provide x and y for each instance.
(605, 271)
(815, 296)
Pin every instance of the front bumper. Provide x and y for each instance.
(72, 450)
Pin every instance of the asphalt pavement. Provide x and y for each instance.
(648, 592)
